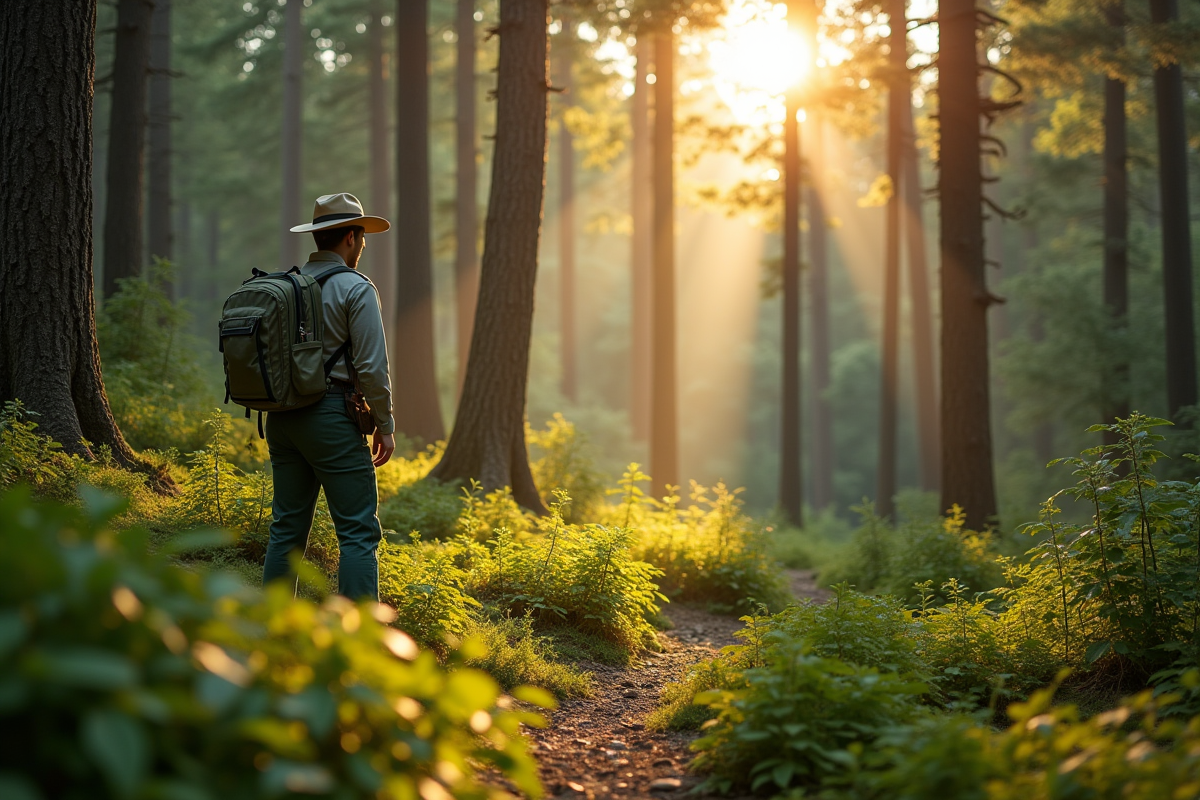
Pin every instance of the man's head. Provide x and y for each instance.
(348, 242)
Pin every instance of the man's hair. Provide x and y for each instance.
(329, 238)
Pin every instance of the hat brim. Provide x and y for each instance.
(369, 224)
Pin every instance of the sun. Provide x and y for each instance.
(755, 59)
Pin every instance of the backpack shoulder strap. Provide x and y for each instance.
(339, 271)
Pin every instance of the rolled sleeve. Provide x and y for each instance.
(369, 353)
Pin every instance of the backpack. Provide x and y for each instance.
(271, 339)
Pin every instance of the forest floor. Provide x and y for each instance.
(599, 746)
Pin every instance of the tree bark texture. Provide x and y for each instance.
(967, 470)
(922, 323)
(466, 237)
(1176, 231)
(899, 99)
(1116, 231)
(664, 403)
(48, 354)
(822, 461)
(123, 255)
(791, 486)
(641, 247)
(415, 397)
(292, 136)
(568, 342)
(381, 259)
(488, 442)
(159, 235)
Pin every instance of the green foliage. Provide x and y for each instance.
(426, 507)
(709, 552)
(423, 582)
(566, 464)
(28, 457)
(802, 720)
(130, 677)
(516, 654)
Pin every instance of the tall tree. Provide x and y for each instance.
(158, 152)
(791, 488)
(291, 134)
(381, 258)
(921, 305)
(818, 304)
(664, 404)
(566, 223)
(466, 214)
(417, 409)
(967, 470)
(488, 442)
(48, 354)
(1176, 223)
(899, 103)
(123, 256)
(1116, 224)
(641, 245)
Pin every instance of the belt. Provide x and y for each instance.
(338, 386)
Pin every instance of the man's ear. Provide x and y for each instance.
(351, 239)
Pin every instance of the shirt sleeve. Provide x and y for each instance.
(369, 353)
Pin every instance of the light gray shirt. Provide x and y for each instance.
(351, 306)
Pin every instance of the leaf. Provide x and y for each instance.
(117, 745)
(535, 696)
(192, 541)
(1096, 651)
(86, 667)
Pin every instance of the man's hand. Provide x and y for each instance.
(382, 447)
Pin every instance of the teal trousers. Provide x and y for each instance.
(313, 447)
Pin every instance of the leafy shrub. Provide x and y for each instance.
(127, 676)
(515, 654)
(565, 463)
(426, 507)
(427, 587)
(1048, 752)
(709, 551)
(802, 720)
(28, 457)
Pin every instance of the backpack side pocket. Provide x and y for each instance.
(308, 368)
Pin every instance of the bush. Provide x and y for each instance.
(802, 720)
(565, 463)
(516, 654)
(127, 676)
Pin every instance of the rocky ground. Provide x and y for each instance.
(599, 746)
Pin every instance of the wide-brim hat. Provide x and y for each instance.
(340, 211)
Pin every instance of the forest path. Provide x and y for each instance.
(598, 746)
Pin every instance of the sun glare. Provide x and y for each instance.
(755, 59)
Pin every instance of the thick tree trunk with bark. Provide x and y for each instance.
(924, 354)
(1176, 230)
(488, 442)
(1116, 230)
(466, 214)
(967, 471)
(566, 227)
(48, 355)
(415, 397)
(123, 255)
(292, 136)
(641, 248)
(381, 259)
(899, 102)
(664, 404)
(158, 151)
(791, 486)
(818, 304)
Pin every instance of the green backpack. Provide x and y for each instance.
(271, 334)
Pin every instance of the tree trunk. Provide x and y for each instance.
(381, 259)
(466, 240)
(641, 248)
(182, 251)
(158, 166)
(417, 409)
(291, 136)
(48, 354)
(566, 229)
(123, 256)
(1176, 232)
(213, 239)
(818, 304)
(664, 410)
(488, 442)
(791, 487)
(1116, 232)
(924, 355)
(899, 99)
(967, 472)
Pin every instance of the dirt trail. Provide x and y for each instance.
(599, 747)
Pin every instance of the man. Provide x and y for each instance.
(318, 445)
